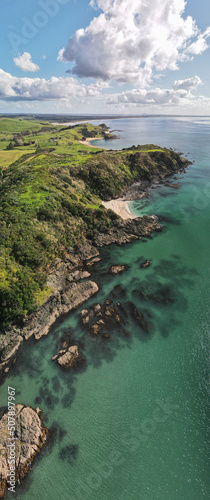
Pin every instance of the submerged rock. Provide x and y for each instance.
(157, 293)
(146, 263)
(139, 318)
(29, 437)
(111, 318)
(101, 319)
(118, 292)
(169, 184)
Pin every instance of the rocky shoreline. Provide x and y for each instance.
(140, 189)
(67, 278)
(69, 288)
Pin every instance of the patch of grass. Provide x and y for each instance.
(16, 125)
(8, 157)
(41, 295)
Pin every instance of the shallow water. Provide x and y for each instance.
(134, 423)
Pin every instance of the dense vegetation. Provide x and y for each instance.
(51, 201)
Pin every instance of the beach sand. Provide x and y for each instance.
(120, 207)
(88, 143)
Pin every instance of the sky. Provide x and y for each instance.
(105, 56)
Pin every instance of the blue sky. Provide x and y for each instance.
(105, 56)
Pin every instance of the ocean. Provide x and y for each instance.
(133, 425)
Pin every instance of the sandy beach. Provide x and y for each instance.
(88, 143)
(120, 207)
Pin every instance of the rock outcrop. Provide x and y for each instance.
(101, 319)
(105, 320)
(127, 230)
(69, 357)
(117, 269)
(30, 435)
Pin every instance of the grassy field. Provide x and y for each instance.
(16, 125)
(8, 157)
(27, 136)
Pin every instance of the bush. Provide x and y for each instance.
(27, 255)
(17, 301)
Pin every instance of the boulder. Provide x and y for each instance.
(97, 308)
(69, 357)
(117, 269)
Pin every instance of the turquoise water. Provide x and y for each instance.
(133, 425)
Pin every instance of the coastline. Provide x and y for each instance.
(68, 279)
(67, 293)
(120, 207)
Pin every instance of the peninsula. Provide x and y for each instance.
(54, 192)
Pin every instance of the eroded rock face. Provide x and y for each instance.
(69, 357)
(30, 435)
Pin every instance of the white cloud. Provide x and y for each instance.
(188, 84)
(179, 94)
(67, 91)
(131, 40)
(25, 63)
(200, 44)
(13, 88)
(60, 55)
